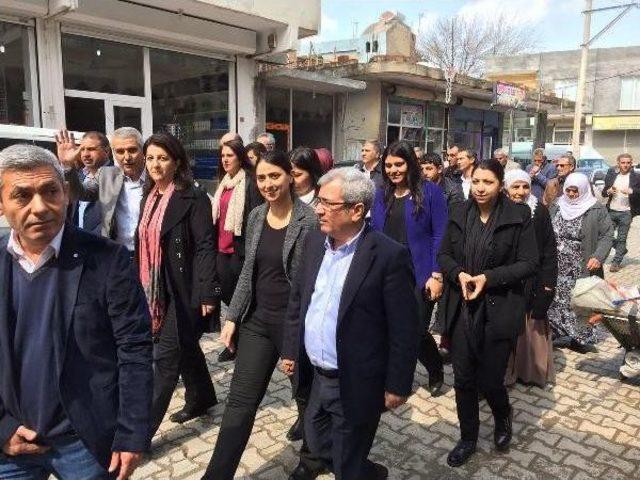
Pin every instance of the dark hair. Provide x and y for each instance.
(238, 148)
(471, 153)
(405, 151)
(306, 159)
(183, 177)
(101, 137)
(493, 165)
(432, 158)
(257, 148)
(279, 159)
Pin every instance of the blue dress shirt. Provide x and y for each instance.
(128, 211)
(321, 322)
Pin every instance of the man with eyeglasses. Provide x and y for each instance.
(622, 187)
(350, 330)
(117, 189)
(565, 164)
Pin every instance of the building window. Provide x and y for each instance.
(279, 116)
(17, 77)
(312, 120)
(406, 121)
(564, 135)
(190, 99)
(630, 93)
(94, 65)
(566, 89)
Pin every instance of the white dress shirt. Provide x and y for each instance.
(128, 211)
(16, 251)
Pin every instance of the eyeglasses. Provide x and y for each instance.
(331, 205)
(563, 165)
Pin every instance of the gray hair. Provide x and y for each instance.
(128, 132)
(357, 187)
(570, 157)
(21, 157)
(500, 151)
(376, 144)
(268, 136)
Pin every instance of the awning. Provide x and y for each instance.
(312, 81)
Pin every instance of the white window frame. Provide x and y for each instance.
(564, 85)
(635, 96)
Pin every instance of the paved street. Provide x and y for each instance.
(586, 427)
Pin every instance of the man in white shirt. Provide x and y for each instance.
(622, 186)
(467, 159)
(118, 189)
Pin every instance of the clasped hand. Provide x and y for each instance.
(472, 287)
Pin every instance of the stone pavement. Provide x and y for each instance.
(586, 427)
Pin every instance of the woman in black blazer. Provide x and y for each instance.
(175, 254)
(488, 251)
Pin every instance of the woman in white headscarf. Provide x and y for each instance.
(584, 234)
(532, 362)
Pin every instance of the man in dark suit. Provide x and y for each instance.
(351, 329)
(75, 336)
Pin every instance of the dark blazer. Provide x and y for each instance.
(303, 219)
(452, 191)
(377, 330)
(252, 198)
(102, 344)
(424, 231)
(189, 258)
(634, 184)
(376, 174)
(547, 274)
(513, 259)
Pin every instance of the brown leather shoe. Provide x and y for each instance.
(615, 268)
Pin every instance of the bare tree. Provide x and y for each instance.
(463, 44)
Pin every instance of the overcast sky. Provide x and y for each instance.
(557, 22)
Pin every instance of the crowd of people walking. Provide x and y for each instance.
(114, 269)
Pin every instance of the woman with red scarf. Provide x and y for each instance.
(175, 252)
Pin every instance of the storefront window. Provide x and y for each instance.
(190, 97)
(16, 105)
(95, 65)
(312, 120)
(278, 116)
(406, 121)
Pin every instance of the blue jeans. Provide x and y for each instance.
(622, 223)
(66, 461)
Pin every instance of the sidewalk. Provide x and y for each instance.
(586, 427)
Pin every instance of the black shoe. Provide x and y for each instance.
(226, 356)
(582, 348)
(185, 414)
(503, 432)
(380, 472)
(302, 472)
(461, 453)
(435, 384)
(295, 432)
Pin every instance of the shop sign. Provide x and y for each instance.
(626, 122)
(412, 116)
(508, 95)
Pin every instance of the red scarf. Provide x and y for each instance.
(150, 255)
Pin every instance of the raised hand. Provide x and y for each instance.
(68, 151)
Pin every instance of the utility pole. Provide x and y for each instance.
(582, 78)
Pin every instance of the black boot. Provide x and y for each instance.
(189, 413)
(503, 432)
(436, 381)
(461, 453)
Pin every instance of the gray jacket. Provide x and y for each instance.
(596, 233)
(105, 191)
(303, 219)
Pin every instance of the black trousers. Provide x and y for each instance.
(428, 353)
(479, 368)
(172, 357)
(228, 266)
(258, 354)
(341, 445)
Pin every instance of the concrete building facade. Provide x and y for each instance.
(188, 67)
(611, 122)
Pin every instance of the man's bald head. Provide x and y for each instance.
(229, 136)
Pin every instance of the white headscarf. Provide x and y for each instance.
(572, 209)
(517, 175)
